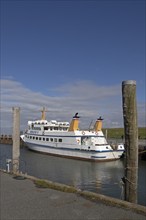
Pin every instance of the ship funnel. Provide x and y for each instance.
(74, 123)
(98, 124)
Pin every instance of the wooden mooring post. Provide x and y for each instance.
(16, 139)
(131, 140)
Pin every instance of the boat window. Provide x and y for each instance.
(33, 137)
(40, 138)
(43, 139)
(55, 139)
(60, 140)
(83, 139)
(30, 137)
(47, 139)
(51, 139)
(36, 138)
(36, 128)
(55, 128)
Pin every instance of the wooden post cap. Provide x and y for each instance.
(129, 82)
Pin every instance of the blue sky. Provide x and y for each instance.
(71, 56)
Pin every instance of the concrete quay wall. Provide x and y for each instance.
(43, 199)
(7, 139)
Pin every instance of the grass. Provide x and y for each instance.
(119, 132)
(55, 186)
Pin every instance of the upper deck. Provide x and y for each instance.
(45, 125)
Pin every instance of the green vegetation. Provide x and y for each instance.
(142, 133)
(55, 186)
(117, 133)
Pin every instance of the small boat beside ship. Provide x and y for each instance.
(67, 140)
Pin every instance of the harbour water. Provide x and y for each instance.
(102, 177)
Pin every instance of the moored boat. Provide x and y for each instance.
(67, 140)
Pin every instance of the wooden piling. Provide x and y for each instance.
(131, 140)
(16, 139)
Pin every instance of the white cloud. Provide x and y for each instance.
(84, 97)
(87, 90)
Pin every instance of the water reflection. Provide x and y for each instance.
(102, 177)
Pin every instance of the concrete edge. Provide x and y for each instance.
(86, 194)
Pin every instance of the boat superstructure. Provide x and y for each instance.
(67, 140)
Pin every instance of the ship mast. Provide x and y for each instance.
(43, 114)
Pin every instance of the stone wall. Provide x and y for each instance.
(7, 139)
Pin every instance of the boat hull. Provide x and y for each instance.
(77, 153)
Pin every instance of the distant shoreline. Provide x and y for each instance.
(7, 139)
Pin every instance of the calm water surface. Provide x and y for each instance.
(102, 177)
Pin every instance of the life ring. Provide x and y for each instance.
(83, 132)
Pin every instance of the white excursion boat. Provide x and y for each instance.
(67, 140)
